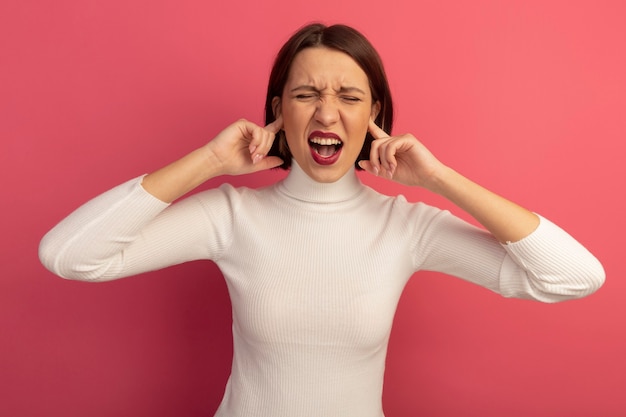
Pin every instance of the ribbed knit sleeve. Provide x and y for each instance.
(548, 265)
(126, 231)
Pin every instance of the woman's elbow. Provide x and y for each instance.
(595, 278)
(584, 282)
(60, 261)
(49, 256)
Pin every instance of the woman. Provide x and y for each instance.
(316, 263)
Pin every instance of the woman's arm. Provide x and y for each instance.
(238, 149)
(549, 265)
(535, 258)
(405, 160)
(132, 228)
(507, 221)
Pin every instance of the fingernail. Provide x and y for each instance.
(252, 149)
(376, 171)
(257, 158)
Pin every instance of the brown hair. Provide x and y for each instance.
(347, 40)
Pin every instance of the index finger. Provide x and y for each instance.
(276, 125)
(376, 131)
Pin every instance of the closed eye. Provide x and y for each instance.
(307, 97)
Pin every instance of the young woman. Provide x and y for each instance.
(315, 264)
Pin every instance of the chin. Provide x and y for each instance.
(326, 174)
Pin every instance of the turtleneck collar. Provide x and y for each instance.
(302, 187)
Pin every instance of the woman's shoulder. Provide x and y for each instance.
(399, 207)
(230, 194)
(398, 201)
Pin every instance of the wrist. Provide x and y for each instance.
(209, 164)
(441, 180)
(181, 176)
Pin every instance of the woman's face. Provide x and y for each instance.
(326, 106)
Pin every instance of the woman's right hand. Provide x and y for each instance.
(242, 147)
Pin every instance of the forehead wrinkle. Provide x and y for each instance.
(315, 76)
(340, 90)
(337, 84)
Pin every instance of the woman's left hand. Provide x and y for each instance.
(403, 159)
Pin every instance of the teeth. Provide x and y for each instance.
(326, 141)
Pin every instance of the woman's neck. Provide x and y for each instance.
(302, 187)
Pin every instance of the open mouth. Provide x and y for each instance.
(325, 147)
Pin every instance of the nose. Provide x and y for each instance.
(327, 112)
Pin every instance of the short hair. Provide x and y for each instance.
(341, 38)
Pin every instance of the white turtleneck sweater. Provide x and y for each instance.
(314, 272)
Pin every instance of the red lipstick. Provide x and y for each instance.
(325, 147)
(320, 134)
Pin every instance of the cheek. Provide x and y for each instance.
(295, 118)
(357, 123)
(294, 125)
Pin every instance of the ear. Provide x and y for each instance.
(375, 110)
(276, 108)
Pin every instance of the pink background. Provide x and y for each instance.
(526, 97)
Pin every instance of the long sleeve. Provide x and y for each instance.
(549, 265)
(126, 231)
(314, 272)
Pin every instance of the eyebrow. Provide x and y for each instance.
(341, 90)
